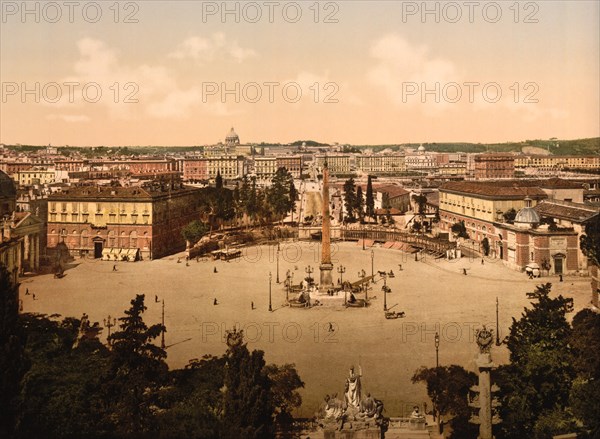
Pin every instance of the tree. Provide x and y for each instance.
(349, 199)
(360, 204)
(279, 199)
(248, 406)
(459, 229)
(293, 197)
(284, 384)
(448, 388)
(585, 344)
(509, 215)
(485, 245)
(370, 200)
(194, 231)
(590, 241)
(219, 180)
(13, 361)
(538, 379)
(194, 400)
(137, 370)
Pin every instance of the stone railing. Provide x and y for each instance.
(407, 423)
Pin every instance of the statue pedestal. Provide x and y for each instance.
(326, 281)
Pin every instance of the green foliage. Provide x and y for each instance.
(538, 379)
(194, 231)
(448, 388)
(284, 384)
(136, 372)
(279, 198)
(350, 199)
(248, 405)
(460, 230)
(219, 180)
(194, 400)
(60, 393)
(485, 244)
(370, 200)
(360, 204)
(590, 241)
(509, 215)
(13, 361)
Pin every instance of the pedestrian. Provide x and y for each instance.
(187, 264)
(560, 277)
(155, 298)
(465, 271)
(33, 296)
(330, 327)
(27, 291)
(481, 261)
(215, 270)
(252, 305)
(115, 267)
(400, 267)
(197, 258)
(215, 302)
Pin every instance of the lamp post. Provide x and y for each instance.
(277, 262)
(288, 280)
(309, 270)
(270, 305)
(372, 266)
(497, 329)
(437, 349)
(162, 335)
(341, 269)
(384, 292)
(109, 323)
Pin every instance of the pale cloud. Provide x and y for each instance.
(322, 88)
(132, 91)
(217, 46)
(398, 63)
(69, 118)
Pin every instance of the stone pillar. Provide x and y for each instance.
(484, 403)
(485, 365)
(326, 266)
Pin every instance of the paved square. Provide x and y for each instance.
(435, 295)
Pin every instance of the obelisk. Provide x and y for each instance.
(326, 265)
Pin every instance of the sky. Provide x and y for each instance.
(353, 72)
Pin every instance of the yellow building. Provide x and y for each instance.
(122, 220)
(557, 162)
(336, 163)
(265, 167)
(379, 164)
(35, 176)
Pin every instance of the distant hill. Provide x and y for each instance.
(308, 143)
(565, 147)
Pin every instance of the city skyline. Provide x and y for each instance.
(363, 70)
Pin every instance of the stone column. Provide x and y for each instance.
(326, 266)
(485, 365)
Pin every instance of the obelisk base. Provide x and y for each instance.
(326, 280)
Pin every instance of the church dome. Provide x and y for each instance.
(232, 138)
(527, 215)
(421, 148)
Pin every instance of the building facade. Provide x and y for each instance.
(494, 166)
(91, 220)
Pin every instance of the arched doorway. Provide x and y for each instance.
(559, 263)
(98, 247)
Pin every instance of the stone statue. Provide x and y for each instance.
(484, 338)
(353, 388)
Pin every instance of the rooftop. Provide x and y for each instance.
(565, 210)
(494, 189)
